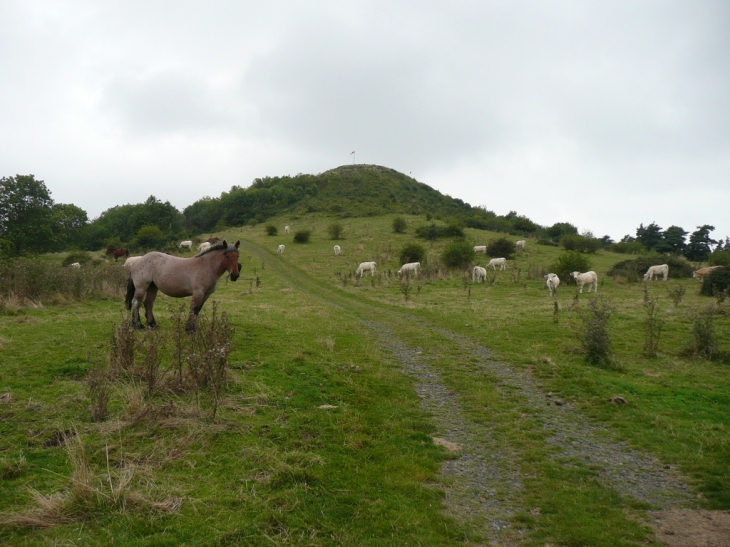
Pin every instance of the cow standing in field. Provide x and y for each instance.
(552, 281)
(479, 274)
(656, 271)
(480, 249)
(703, 272)
(501, 262)
(337, 250)
(280, 249)
(365, 267)
(588, 277)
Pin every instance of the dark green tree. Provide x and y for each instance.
(698, 248)
(26, 216)
(649, 236)
(69, 225)
(673, 241)
(559, 229)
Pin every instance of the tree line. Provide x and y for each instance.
(30, 221)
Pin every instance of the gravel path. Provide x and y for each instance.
(481, 482)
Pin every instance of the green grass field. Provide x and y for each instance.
(321, 437)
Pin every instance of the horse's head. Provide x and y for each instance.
(230, 259)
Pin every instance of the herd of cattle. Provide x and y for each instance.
(479, 273)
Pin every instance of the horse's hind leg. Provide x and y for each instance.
(138, 296)
(149, 302)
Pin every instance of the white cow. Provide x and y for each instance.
(131, 260)
(188, 244)
(337, 250)
(76, 265)
(411, 267)
(582, 278)
(552, 281)
(287, 229)
(365, 266)
(656, 271)
(478, 274)
(280, 249)
(520, 244)
(480, 249)
(501, 262)
(203, 246)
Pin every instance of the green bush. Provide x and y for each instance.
(150, 236)
(575, 242)
(635, 268)
(628, 247)
(433, 232)
(570, 261)
(271, 230)
(717, 281)
(335, 230)
(413, 252)
(501, 248)
(719, 258)
(302, 236)
(399, 225)
(458, 254)
(594, 336)
(82, 257)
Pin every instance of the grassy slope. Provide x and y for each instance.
(278, 467)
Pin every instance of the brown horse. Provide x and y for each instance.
(213, 240)
(122, 251)
(179, 277)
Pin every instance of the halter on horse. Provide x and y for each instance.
(179, 277)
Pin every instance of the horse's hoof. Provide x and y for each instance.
(153, 325)
(138, 326)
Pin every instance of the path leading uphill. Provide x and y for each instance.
(483, 482)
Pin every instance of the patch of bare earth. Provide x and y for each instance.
(692, 528)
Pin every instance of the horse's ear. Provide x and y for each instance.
(238, 244)
(225, 245)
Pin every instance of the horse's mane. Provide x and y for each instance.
(217, 247)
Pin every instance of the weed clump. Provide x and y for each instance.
(271, 230)
(458, 254)
(594, 337)
(399, 225)
(704, 337)
(302, 236)
(652, 328)
(676, 293)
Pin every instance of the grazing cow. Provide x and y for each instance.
(552, 281)
(365, 266)
(479, 274)
(702, 272)
(656, 271)
(337, 250)
(582, 278)
(203, 246)
(76, 265)
(501, 262)
(480, 249)
(187, 243)
(212, 240)
(287, 229)
(411, 267)
(280, 249)
(520, 243)
(131, 260)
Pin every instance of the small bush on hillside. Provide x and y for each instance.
(570, 261)
(717, 281)
(433, 232)
(594, 336)
(458, 254)
(399, 225)
(501, 248)
(413, 252)
(635, 268)
(302, 236)
(628, 247)
(149, 237)
(271, 230)
(719, 258)
(82, 257)
(575, 242)
(335, 230)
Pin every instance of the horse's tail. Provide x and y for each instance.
(130, 294)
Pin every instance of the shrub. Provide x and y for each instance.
(720, 258)
(429, 231)
(458, 254)
(453, 230)
(335, 230)
(302, 236)
(501, 247)
(399, 225)
(717, 281)
(628, 247)
(704, 337)
(150, 236)
(570, 261)
(594, 336)
(575, 242)
(413, 252)
(635, 268)
(271, 230)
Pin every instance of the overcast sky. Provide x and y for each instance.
(603, 114)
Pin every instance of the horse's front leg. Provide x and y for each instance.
(199, 298)
(149, 302)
